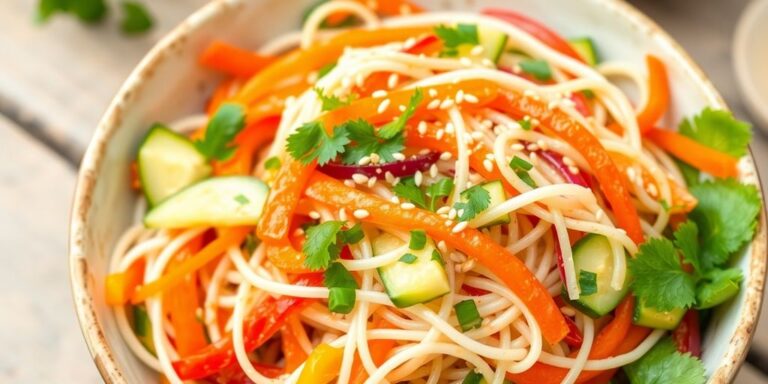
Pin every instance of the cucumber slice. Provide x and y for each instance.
(585, 47)
(421, 281)
(653, 318)
(167, 163)
(493, 43)
(593, 254)
(498, 195)
(219, 201)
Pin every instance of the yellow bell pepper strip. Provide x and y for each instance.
(302, 62)
(227, 237)
(612, 182)
(322, 366)
(472, 242)
(260, 325)
(290, 179)
(658, 94)
(120, 286)
(700, 156)
(232, 60)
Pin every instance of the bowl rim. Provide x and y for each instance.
(92, 330)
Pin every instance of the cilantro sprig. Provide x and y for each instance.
(331, 102)
(366, 140)
(311, 142)
(225, 124)
(134, 16)
(664, 364)
(453, 38)
(475, 200)
(407, 190)
(324, 243)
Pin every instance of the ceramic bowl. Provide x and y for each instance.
(168, 84)
(750, 59)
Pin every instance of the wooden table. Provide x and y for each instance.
(56, 80)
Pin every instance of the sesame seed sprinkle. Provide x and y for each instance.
(446, 156)
(379, 93)
(407, 206)
(422, 127)
(361, 213)
(434, 104)
(393, 80)
(460, 227)
(470, 98)
(359, 178)
(314, 215)
(383, 106)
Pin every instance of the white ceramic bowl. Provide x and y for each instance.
(168, 84)
(750, 60)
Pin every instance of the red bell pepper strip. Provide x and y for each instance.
(235, 375)
(611, 181)
(687, 335)
(266, 319)
(574, 339)
(232, 60)
(658, 94)
(537, 30)
(472, 242)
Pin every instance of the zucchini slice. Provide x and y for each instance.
(167, 163)
(219, 201)
(585, 47)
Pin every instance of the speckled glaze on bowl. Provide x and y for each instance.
(168, 84)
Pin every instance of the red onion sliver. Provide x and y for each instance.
(556, 161)
(405, 167)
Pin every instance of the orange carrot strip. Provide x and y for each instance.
(120, 286)
(232, 60)
(658, 94)
(248, 141)
(474, 243)
(183, 302)
(223, 91)
(612, 183)
(634, 337)
(379, 349)
(606, 343)
(694, 153)
(682, 200)
(227, 237)
(292, 176)
(292, 351)
(302, 62)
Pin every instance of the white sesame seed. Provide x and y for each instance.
(568, 161)
(553, 104)
(379, 93)
(477, 50)
(465, 61)
(349, 183)
(460, 96)
(434, 104)
(444, 209)
(449, 128)
(342, 214)
(631, 174)
(364, 160)
(487, 62)
(652, 190)
(517, 68)
(488, 165)
(372, 182)
(532, 147)
(401, 108)
(452, 213)
(432, 92)
(378, 171)
(393, 80)
(361, 213)
(542, 144)
(470, 98)
(346, 82)
(383, 106)
(535, 122)
(312, 77)
(599, 214)
(409, 43)
(375, 158)
(359, 178)
(433, 171)
(407, 206)
(422, 127)
(448, 223)
(398, 156)
(534, 158)
(476, 135)
(446, 156)
(518, 147)
(447, 103)
(574, 170)
(439, 134)
(314, 215)
(460, 227)
(460, 212)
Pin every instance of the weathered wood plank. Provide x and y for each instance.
(41, 342)
(61, 76)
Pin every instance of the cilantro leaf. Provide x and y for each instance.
(325, 69)
(437, 190)
(225, 124)
(320, 247)
(726, 216)
(407, 189)
(272, 164)
(336, 276)
(476, 200)
(330, 102)
(311, 142)
(539, 69)
(664, 364)
(352, 235)
(691, 175)
(455, 37)
(687, 240)
(718, 130)
(418, 240)
(587, 282)
(88, 11)
(135, 18)
(367, 141)
(395, 127)
(659, 279)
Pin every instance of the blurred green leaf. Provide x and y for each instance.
(136, 18)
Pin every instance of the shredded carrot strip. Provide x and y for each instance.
(233, 60)
(292, 351)
(228, 237)
(694, 153)
(182, 303)
(472, 242)
(658, 94)
(379, 350)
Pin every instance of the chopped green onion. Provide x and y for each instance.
(408, 258)
(525, 177)
(525, 124)
(242, 199)
(472, 377)
(341, 300)
(588, 93)
(520, 164)
(467, 314)
(272, 164)
(539, 69)
(587, 282)
(325, 69)
(436, 256)
(352, 235)
(418, 240)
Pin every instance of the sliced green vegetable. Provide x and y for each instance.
(653, 318)
(586, 48)
(468, 315)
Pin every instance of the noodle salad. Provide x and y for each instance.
(396, 195)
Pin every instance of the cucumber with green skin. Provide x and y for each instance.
(168, 162)
(417, 281)
(654, 318)
(216, 202)
(586, 48)
(593, 254)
